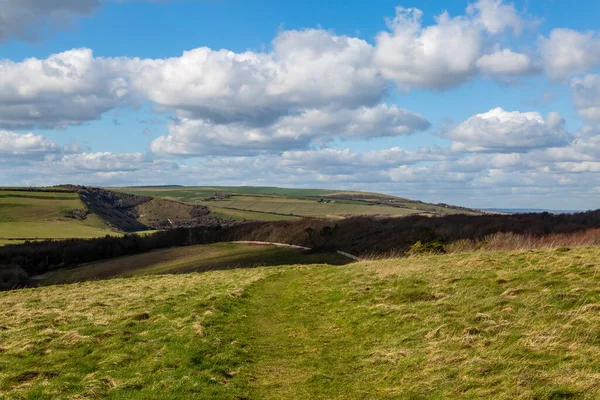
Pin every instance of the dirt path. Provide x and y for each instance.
(293, 246)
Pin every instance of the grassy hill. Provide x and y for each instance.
(44, 215)
(508, 325)
(199, 258)
(272, 203)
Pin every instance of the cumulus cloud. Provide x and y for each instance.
(495, 16)
(65, 89)
(586, 97)
(565, 52)
(102, 161)
(344, 161)
(506, 132)
(438, 56)
(201, 137)
(306, 69)
(474, 163)
(505, 62)
(25, 146)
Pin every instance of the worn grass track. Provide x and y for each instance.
(505, 325)
(501, 325)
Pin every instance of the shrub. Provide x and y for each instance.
(435, 246)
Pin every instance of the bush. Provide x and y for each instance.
(435, 246)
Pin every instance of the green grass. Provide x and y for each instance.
(241, 215)
(272, 203)
(514, 325)
(191, 193)
(198, 258)
(41, 215)
(305, 207)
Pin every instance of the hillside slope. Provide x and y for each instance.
(272, 203)
(199, 258)
(30, 215)
(484, 325)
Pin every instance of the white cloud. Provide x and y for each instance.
(505, 62)
(25, 146)
(103, 161)
(586, 97)
(565, 52)
(65, 89)
(506, 132)
(306, 69)
(495, 17)
(438, 56)
(347, 161)
(201, 137)
(479, 162)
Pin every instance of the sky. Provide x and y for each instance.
(481, 103)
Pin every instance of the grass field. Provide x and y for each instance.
(241, 215)
(41, 215)
(306, 208)
(271, 203)
(199, 258)
(191, 193)
(505, 325)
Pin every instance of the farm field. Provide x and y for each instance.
(306, 208)
(42, 215)
(270, 203)
(191, 193)
(241, 215)
(507, 325)
(198, 258)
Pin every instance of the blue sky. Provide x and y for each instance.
(483, 103)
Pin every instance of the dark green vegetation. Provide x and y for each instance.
(514, 325)
(199, 258)
(271, 203)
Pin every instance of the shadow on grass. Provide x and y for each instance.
(165, 262)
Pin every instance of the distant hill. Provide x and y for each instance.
(73, 211)
(274, 203)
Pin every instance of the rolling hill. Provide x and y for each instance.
(199, 258)
(272, 203)
(26, 214)
(506, 325)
